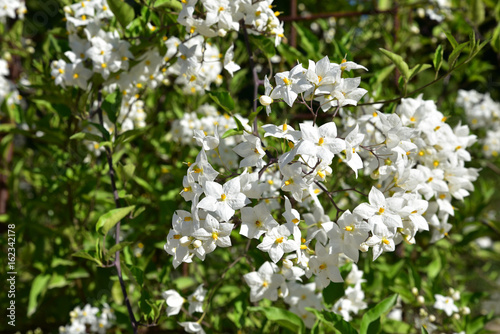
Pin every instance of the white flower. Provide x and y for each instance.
(276, 243)
(192, 327)
(264, 283)
(174, 301)
(447, 304)
(223, 200)
(229, 64)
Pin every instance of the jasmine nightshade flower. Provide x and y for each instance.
(447, 304)
(223, 200)
(196, 300)
(229, 64)
(276, 243)
(192, 327)
(265, 282)
(256, 220)
(174, 302)
(290, 84)
(251, 150)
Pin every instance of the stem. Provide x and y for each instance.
(112, 176)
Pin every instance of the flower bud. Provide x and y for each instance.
(265, 100)
(421, 300)
(414, 290)
(287, 264)
(465, 310)
(221, 32)
(197, 243)
(432, 318)
(423, 313)
(364, 247)
(456, 295)
(185, 241)
(456, 316)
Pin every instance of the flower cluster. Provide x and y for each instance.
(353, 300)
(12, 9)
(482, 113)
(416, 158)
(212, 18)
(87, 320)
(174, 305)
(8, 89)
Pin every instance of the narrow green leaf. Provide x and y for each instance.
(116, 248)
(223, 99)
(438, 58)
(38, 286)
(419, 68)
(335, 320)
(110, 219)
(254, 114)
(451, 39)
(85, 136)
(424, 331)
(477, 11)
(87, 256)
(376, 312)
(308, 41)
(231, 132)
(171, 4)
(124, 13)
(384, 73)
(456, 53)
(399, 62)
(283, 317)
(239, 125)
(112, 105)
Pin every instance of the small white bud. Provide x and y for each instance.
(432, 318)
(185, 241)
(414, 290)
(197, 243)
(364, 247)
(421, 300)
(465, 310)
(265, 100)
(287, 264)
(456, 316)
(221, 33)
(456, 295)
(423, 312)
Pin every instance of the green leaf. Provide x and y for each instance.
(223, 99)
(495, 39)
(231, 132)
(418, 68)
(124, 13)
(438, 58)
(456, 53)
(330, 318)
(374, 314)
(87, 256)
(110, 219)
(112, 105)
(308, 41)
(451, 39)
(399, 62)
(283, 317)
(171, 4)
(129, 135)
(254, 114)
(85, 136)
(424, 331)
(264, 44)
(239, 125)
(116, 248)
(38, 286)
(477, 11)
(138, 274)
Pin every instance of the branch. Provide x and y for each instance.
(117, 231)
(336, 14)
